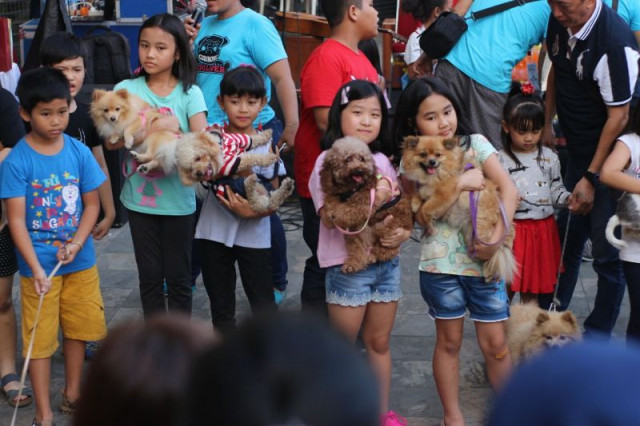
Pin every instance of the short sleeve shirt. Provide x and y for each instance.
(330, 66)
(156, 193)
(246, 38)
(492, 46)
(81, 126)
(52, 186)
(11, 126)
(445, 251)
(600, 70)
(631, 253)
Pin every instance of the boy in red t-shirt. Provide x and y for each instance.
(332, 64)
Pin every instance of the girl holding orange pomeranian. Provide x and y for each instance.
(160, 208)
(451, 280)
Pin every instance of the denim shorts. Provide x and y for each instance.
(379, 282)
(449, 297)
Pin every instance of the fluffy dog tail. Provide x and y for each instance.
(502, 265)
(614, 222)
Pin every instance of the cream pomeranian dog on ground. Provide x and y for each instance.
(531, 330)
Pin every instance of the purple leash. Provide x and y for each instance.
(474, 196)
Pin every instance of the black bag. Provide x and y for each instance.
(438, 40)
(108, 56)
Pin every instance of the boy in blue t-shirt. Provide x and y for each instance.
(50, 181)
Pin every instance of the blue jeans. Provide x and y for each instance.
(313, 294)
(606, 263)
(449, 296)
(379, 282)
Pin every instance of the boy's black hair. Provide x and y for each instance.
(184, 69)
(409, 105)
(524, 112)
(421, 9)
(42, 84)
(335, 10)
(61, 46)
(243, 80)
(353, 91)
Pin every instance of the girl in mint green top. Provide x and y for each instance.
(451, 281)
(160, 207)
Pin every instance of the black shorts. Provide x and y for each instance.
(8, 261)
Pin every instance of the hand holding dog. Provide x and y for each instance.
(240, 206)
(395, 237)
(582, 197)
(471, 180)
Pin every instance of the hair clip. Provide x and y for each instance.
(344, 98)
(527, 88)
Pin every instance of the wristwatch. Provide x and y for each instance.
(592, 177)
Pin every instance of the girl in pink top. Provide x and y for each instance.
(367, 298)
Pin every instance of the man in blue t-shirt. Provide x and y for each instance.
(478, 68)
(595, 67)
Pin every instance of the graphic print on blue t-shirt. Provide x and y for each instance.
(54, 211)
(207, 59)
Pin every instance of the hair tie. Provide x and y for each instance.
(246, 66)
(527, 88)
(344, 99)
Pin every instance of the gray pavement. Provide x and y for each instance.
(413, 392)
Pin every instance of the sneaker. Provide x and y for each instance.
(586, 252)
(279, 295)
(90, 349)
(393, 419)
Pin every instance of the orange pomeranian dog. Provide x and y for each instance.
(435, 164)
(121, 115)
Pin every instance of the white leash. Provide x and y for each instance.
(25, 367)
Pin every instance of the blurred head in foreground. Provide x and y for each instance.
(283, 370)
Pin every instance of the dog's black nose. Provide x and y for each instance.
(112, 118)
(433, 162)
(199, 173)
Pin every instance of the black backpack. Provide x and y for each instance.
(108, 56)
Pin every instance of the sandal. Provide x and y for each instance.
(66, 406)
(43, 423)
(11, 395)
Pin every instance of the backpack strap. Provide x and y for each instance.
(614, 5)
(498, 8)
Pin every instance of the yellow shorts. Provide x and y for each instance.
(74, 303)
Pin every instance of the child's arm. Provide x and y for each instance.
(280, 74)
(106, 197)
(91, 204)
(612, 173)
(560, 197)
(198, 122)
(16, 215)
(509, 196)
